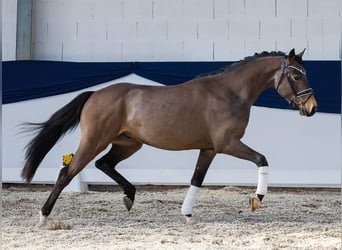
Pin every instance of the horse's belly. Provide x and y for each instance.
(176, 143)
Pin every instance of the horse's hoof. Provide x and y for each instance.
(40, 225)
(189, 221)
(254, 203)
(128, 203)
(58, 225)
(42, 221)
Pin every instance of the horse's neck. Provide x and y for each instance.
(251, 80)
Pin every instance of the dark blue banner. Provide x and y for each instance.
(24, 80)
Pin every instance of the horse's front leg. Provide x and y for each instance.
(240, 150)
(204, 159)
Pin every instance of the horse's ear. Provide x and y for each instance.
(301, 53)
(292, 56)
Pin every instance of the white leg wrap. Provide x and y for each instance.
(262, 181)
(189, 200)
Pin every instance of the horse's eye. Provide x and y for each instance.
(296, 77)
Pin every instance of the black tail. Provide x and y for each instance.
(50, 131)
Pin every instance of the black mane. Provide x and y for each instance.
(260, 55)
(245, 61)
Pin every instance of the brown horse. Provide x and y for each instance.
(209, 113)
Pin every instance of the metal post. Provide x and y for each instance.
(24, 30)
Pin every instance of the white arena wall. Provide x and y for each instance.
(301, 151)
(177, 30)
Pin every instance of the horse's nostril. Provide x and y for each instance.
(313, 111)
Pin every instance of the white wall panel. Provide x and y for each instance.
(9, 10)
(61, 31)
(107, 10)
(47, 51)
(8, 50)
(314, 28)
(198, 9)
(122, 30)
(137, 9)
(9, 29)
(229, 50)
(324, 48)
(298, 28)
(81, 10)
(91, 30)
(275, 28)
(45, 11)
(315, 48)
(181, 30)
(221, 9)
(198, 50)
(260, 8)
(331, 49)
(244, 28)
(291, 8)
(152, 30)
(324, 9)
(40, 30)
(75, 50)
(168, 10)
(106, 51)
(137, 51)
(214, 30)
(167, 50)
(332, 28)
(236, 9)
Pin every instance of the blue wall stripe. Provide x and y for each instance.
(24, 80)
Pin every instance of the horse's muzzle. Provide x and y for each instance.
(308, 108)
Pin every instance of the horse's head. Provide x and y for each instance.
(291, 83)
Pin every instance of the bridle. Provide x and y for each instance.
(296, 97)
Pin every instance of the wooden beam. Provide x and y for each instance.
(24, 30)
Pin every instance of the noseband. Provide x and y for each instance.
(306, 92)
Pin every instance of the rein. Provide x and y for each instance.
(306, 92)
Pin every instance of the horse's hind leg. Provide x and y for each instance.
(108, 162)
(82, 157)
